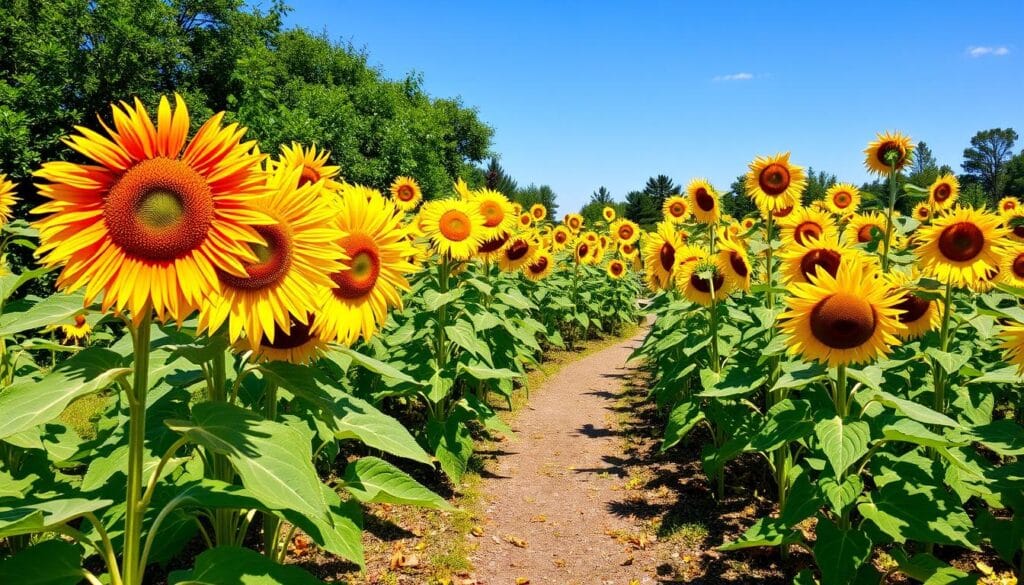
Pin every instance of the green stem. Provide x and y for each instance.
(938, 374)
(769, 268)
(842, 409)
(441, 349)
(135, 506)
(271, 523)
(888, 220)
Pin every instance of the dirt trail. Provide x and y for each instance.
(549, 497)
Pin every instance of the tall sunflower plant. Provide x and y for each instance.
(875, 372)
(222, 292)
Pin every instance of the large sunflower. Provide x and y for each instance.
(538, 212)
(800, 262)
(7, 199)
(703, 281)
(962, 246)
(313, 164)
(539, 266)
(152, 224)
(518, 251)
(676, 209)
(659, 252)
(497, 211)
(849, 318)
(806, 225)
(406, 193)
(1011, 339)
(1011, 265)
(842, 199)
(377, 252)
(300, 345)
(703, 201)
(775, 183)
(292, 269)
(889, 151)
(625, 231)
(455, 227)
(735, 263)
(918, 315)
(943, 193)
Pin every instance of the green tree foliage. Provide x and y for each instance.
(985, 161)
(1015, 176)
(925, 169)
(497, 179)
(542, 194)
(736, 202)
(661, 188)
(65, 61)
(599, 199)
(817, 184)
(643, 208)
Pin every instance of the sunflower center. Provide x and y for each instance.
(704, 200)
(539, 266)
(574, 223)
(493, 244)
(913, 307)
(806, 231)
(298, 335)
(826, 259)
(1018, 266)
(739, 264)
(1008, 205)
(667, 256)
(616, 268)
(923, 213)
(583, 250)
(538, 213)
(625, 232)
(517, 250)
(79, 320)
(774, 179)
(961, 242)
(783, 212)
(560, 237)
(704, 285)
(842, 199)
(273, 260)
(160, 209)
(455, 225)
(895, 158)
(867, 232)
(493, 215)
(406, 193)
(1018, 230)
(309, 175)
(363, 268)
(843, 321)
(943, 192)
(677, 209)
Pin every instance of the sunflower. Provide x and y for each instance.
(1011, 265)
(703, 281)
(842, 199)
(560, 237)
(497, 211)
(889, 152)
(616, 269)
(525, 221)
(918, 315)
(518, 251)
(313, 164)
(585, 251)
(943, 193)
(455, 227)
(7, 199)
(406, 193)
(292, 267)
(152, 225)
(676, 209)
(629, 251)
(625, 231)
(574, 222)
(301, 345)
(783, 211)
(376, 260)
(961, 247)
(748, 223)
(922, 212)
(1007, 206)
(849, 318)
(1012, 344)
(865, 228)
(805, 225)
(77, 331)
(703, 201)
(732, 257)
(538, 212)
(775, 183)
(801, 261)
(539, 266)
(659, 254)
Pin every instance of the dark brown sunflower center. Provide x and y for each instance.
(1018, 230)
(494, 244)
(783, 212)
(1018, 266)
(667, 257)
(273, 260)
(961, 242)
(363, 267)
(561, 237)
(705, 285)
(625, 231)
(539, 266)
(943, 192)
(923, 213)
(739, 264)
(160, 209)
(583, 250)
(517, 250)
(298, 335)
(79, 320)
(868, 232)
(574, 223)
(1008, 205)
(843, 321)
(913, 307)
(454, 225)
(406, 192)
(807, 231)
(538, 212)
(842, 199)
(704, 200)
(891, 154)
(828, 260)
(774, 179)
(617, 268)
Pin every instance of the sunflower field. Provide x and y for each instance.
(874, 360)
(266, 347)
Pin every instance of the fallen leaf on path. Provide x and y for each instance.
(476, 531)
(539, 518)
(522, 581)
(516, 541)
(560, 563)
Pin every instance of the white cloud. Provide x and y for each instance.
(983, 51)
(734, 77)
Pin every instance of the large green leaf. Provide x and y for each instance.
(681, 420)
(27, 404)
(1004, 436)
(764, 532)
(918, 412)
(273, 459)
(461, 333)
(41, 516)
(931, 571)
(839, 553)
(370, 479)
(52, 310)
(225, 565)
(376, 366)
(786, 421)
(12, 282)
(843, 442)
(452, 444)
(51, 562)
(911, 431)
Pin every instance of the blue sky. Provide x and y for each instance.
(610, 93)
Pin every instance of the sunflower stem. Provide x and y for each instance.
(769, 277)
(938, 374)
(888, 219)
(135, 507)
(842, 409)
(441, 351)
(271, 523)
(220, 467)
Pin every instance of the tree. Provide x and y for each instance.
(592, 212)
(986, 159)
(497, 179)
(542, 194)
(660, 188)
(1015, 176)
(925, 168)
(643, 208)
(602, 196)
(817, 184)
(736, 202)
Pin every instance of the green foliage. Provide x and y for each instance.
(985, 161)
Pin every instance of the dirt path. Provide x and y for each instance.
(549, 498)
